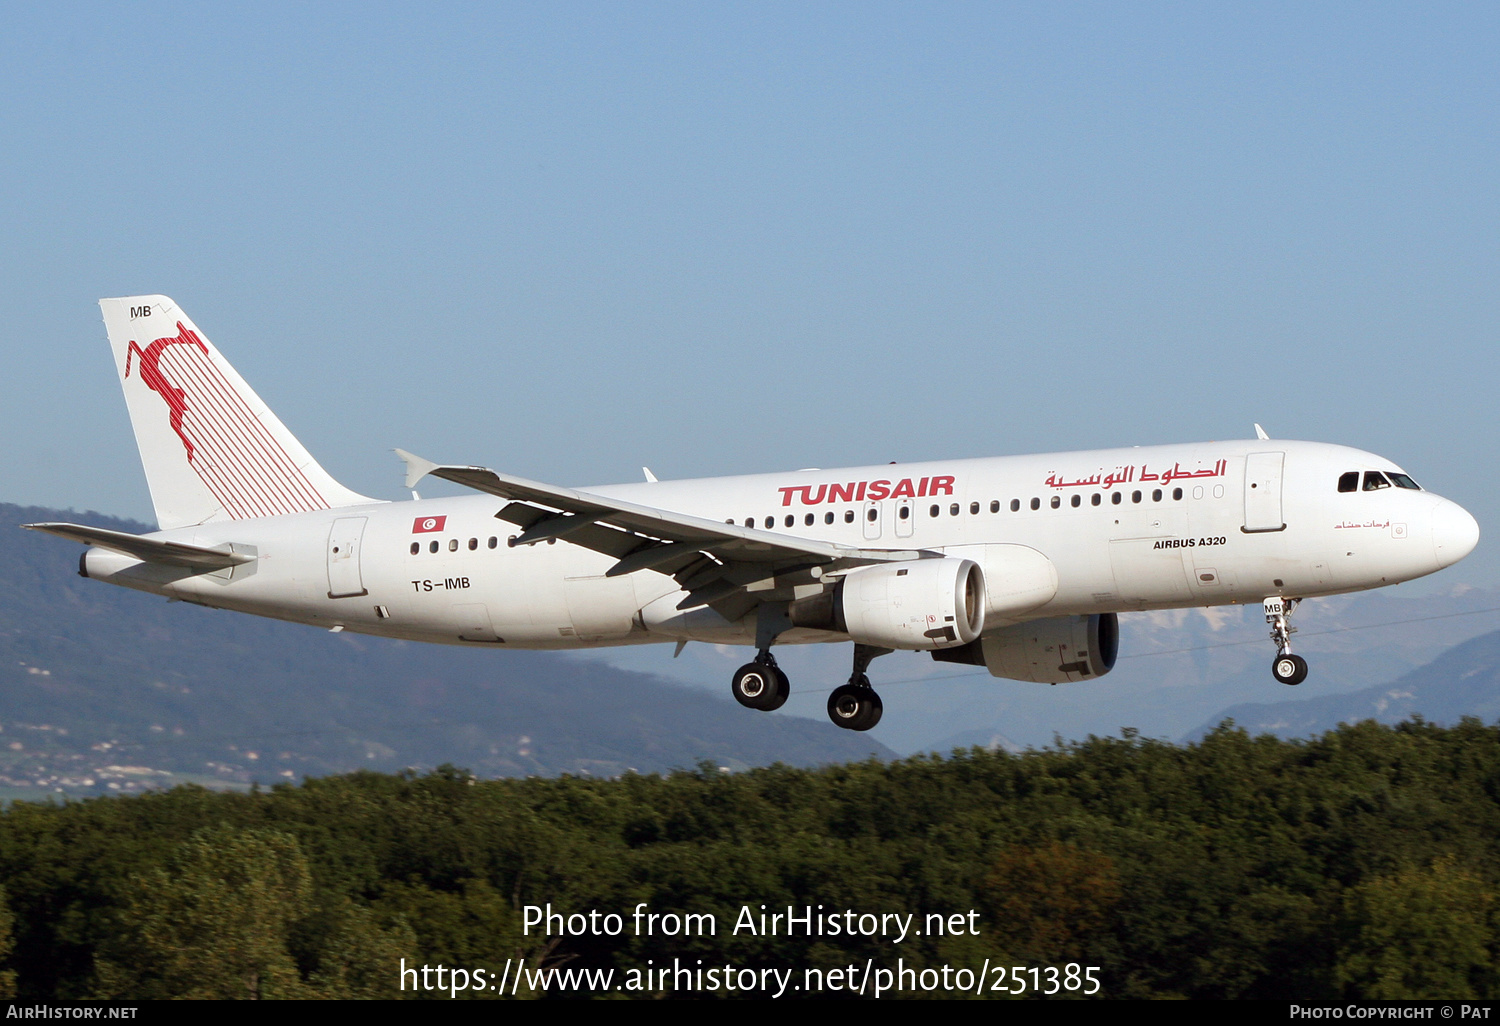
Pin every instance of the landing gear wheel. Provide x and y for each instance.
(855, 707)
(783, 690)
(754, 685)
(1289, 669)
(759, 686)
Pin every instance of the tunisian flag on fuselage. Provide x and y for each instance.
(427, 525)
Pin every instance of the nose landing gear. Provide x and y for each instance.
(1287, 668)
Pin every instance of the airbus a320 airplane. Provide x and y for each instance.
(1018, 564)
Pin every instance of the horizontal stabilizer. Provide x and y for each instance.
(152, 550)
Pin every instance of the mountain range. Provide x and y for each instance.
(1464, 681)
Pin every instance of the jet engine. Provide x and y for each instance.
(1056, 650)
(921, 604)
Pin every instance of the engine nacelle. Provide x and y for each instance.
(1056, 650)
(921, 604)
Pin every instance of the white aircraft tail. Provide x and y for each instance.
(211, 448)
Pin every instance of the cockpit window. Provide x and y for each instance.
(1349, 482)
(1402, 481)
(1375, 480)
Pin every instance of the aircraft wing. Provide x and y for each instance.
(152, 550)
(712, 560)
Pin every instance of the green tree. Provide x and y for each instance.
(358, 956)
(1420, 933)
(215, 923)
(1049, 900)
(7, 945)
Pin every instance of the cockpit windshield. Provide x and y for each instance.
(1375, 480)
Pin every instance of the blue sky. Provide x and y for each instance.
(567, 240)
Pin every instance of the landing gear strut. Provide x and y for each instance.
(855, 705)
(1287, 668)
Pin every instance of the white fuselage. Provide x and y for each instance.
(1139, 528)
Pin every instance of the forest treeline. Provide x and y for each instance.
(1360, 864)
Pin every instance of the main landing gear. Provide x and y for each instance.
(855, 705)
(1287, 668)
(761, 684)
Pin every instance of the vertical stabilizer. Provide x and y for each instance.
(212, 450)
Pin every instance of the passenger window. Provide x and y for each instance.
(494, 541)
(1015, 505)
(1115, 498)
(994, 505)
(432, 547)
(874, 512)
(1375, 480)
(749, 521)
(416, 547)
(790, 520)
(1098, 498)
(904, 512)
(1056, 501)
(1156, 495)
(953, 510)
(1077, 500)
(1036, 503)
(770, 523)
(973, 508)
(1135, 496)
(848, 516)
(828, 517)
(933, 511)
(1402, 481)
(453, 544)
(1176, 494)
(473, 544)
(1349, 482)
(808, 520)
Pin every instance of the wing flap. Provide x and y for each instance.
(151, 550)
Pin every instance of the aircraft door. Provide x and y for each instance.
(871, 514)
(1263, 492)
(344, 540)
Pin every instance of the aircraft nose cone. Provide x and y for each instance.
(1454, 533)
